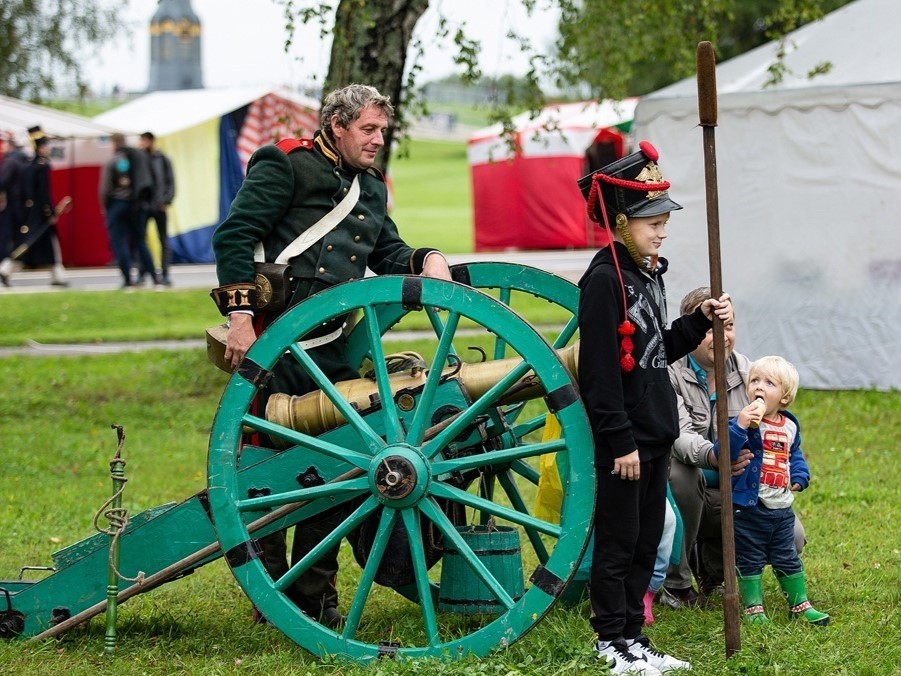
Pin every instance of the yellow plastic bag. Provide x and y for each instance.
(549, 498)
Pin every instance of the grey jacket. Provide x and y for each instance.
(697, 419)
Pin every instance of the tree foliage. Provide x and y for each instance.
(371, 44)
(633, 48)
(616, 48)
(42, 42)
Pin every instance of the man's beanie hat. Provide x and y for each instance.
(37, 136)
(633, 185)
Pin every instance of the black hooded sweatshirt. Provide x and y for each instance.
(635, 410)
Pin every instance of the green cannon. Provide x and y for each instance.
(430, 463)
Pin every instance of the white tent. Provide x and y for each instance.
(809, 183)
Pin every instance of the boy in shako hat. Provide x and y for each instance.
(626, 348)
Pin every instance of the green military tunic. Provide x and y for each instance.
(287, 192)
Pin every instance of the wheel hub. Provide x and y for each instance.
(399, 476)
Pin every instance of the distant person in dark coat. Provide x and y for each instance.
(12, 161)
(35, 243)
(126, 187)
(163, 194)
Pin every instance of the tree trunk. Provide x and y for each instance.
(370, 43)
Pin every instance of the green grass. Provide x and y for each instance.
(106, 316)
(88, 107)
(55, 417)
(468, 114)
(433, 197)
(98, 317)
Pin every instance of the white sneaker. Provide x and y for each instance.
(620, 660)
(641, 648)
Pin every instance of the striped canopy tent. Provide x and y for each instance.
(210, 134)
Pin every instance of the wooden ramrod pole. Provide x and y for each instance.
(707, 105)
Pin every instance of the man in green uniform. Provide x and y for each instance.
(289, 187)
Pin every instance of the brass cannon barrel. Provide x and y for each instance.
(313, 413)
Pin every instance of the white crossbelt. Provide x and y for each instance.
(308, 238)
(318, 230)
(321, 340)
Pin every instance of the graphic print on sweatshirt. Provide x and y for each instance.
(775, 457)
(642, 315)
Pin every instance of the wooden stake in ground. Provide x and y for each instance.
(707, 113)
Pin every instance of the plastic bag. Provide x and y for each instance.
(549, 498)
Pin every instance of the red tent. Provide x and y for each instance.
(525, 196)
(79, 148)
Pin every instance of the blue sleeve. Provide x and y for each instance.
(738, 439)
(800, 471)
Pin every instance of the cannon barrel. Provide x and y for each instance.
(314, 413)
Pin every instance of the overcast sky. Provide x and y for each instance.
(243, 43)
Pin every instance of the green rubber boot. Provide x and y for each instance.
(751, 590)
(795, 589)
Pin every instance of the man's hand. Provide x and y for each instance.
(628, 467)
(239, 338)
(722, 308)
(743, 460)
(435, 265)
(738, 465)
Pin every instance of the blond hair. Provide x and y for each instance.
(779, 369)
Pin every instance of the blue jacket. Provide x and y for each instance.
(746, 486)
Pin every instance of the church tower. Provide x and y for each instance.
(175, 47)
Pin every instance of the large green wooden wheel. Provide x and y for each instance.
(388, 443)
(512, 284)
(509, 281)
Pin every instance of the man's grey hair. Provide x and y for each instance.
(693, 299)
(348, 102)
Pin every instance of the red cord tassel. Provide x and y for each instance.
(626, 360)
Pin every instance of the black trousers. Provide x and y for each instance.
(628, 523)
(161, 218)
(315, 590)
